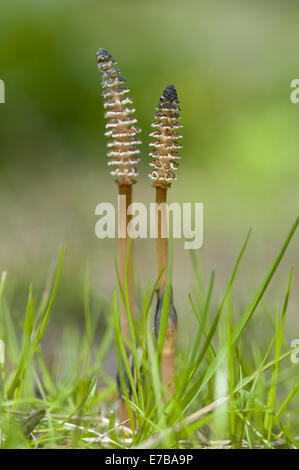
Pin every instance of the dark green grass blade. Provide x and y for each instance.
(222, 354)
(23, 362)
(123, 354)
(29, 345)
(193, 393)
(279, 339)
(46, 318)
(201, 329)
(165, 307)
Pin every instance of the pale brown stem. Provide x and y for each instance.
(169, 347)
(168, 360)
(126, 190)
(123, 414)
(162, 243)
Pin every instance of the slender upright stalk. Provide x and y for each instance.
(162, 242)
(122, 154)
(126, 190)
(121, 129)
(164, 155)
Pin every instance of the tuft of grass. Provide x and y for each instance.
(229, 393)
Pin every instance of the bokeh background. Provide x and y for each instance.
(232, 64)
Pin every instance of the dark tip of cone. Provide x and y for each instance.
(103, 54)
(170, 93)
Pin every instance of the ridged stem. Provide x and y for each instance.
(122, 133)
(126, 190)
(169, 346)
(162, 243)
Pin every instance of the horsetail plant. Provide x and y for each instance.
(122, 131)
(165, 152)
(122, 154)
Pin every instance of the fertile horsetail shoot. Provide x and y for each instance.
(122, 131)
(165, 153)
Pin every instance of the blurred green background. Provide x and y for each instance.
(232, 64)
